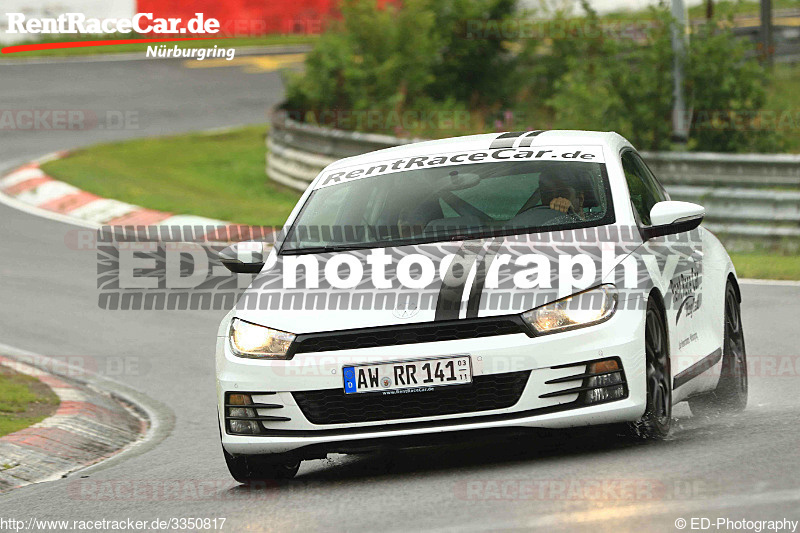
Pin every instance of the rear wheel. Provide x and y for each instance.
(731, 392)
(657, 419)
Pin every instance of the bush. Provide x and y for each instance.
(726, 90)
(421, 69)
(625, 86)
(614, 85)
(379, 66)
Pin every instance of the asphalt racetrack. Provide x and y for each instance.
(740, 467)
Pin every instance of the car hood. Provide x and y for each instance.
(463, 284)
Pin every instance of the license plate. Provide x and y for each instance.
(408, 376)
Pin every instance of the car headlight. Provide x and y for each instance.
(251, 340)
(579, 310)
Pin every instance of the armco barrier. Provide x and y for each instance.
(752, 201)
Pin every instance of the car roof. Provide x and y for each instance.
(484, 141)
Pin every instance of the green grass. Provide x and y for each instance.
(766, 266)
(230, 42)
(219, 175)
(9, 424)
(23, 401)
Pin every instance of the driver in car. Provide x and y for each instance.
(561, 197)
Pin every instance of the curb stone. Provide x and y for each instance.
(30, 185)
(88, 427)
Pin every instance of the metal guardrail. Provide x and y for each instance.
(751, 200)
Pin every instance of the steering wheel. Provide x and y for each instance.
(531, 207)
(570, 210)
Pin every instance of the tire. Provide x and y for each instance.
(730, 396)
(248, 469)
(656, 422)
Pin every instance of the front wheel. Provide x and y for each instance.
(731, 393)
(251, 468)
(657, 419)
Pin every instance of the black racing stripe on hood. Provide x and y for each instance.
(527, 140)
(475, 292)
(506, 140)
(449, 303)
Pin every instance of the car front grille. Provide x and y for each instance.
(333, 406)
(408, 334)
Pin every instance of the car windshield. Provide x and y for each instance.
(454, 202)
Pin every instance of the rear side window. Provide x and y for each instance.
(645, 192)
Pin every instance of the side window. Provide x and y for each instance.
(660, 192)
(644, 190)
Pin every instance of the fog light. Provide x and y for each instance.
(240, 412)
(605, 380)
(246, 427)
(605, 394)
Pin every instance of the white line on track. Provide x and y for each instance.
(777, 282)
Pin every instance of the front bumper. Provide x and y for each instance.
(547, 357)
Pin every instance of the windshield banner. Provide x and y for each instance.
(335, 176)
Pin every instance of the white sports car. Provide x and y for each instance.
(516, 280)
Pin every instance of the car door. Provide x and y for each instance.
(675, 263)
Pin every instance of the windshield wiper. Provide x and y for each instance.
(317, 249)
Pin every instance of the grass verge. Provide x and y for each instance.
(217, 175)
(766, 266)
(24, 401)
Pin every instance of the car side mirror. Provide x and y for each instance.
(245, 257)
(671, 217)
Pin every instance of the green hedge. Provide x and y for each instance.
(445, 67)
